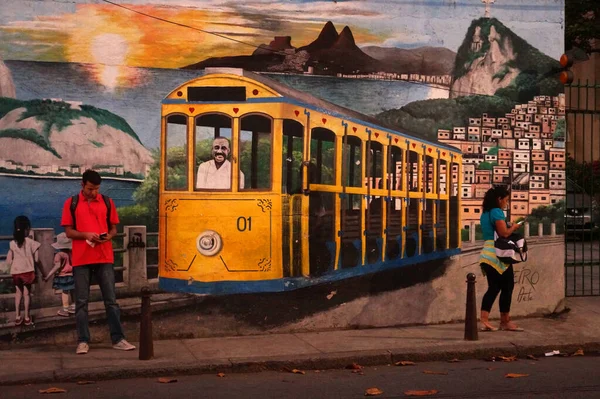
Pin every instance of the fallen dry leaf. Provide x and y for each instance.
(221, 375)
(296, 371)
(85, 382)
(532, 357)
(435, 372)
(53, 390)
(166, 380)
(453, 361)
(354, 366)
(514, 375)
(578, 353)
(421, 393)
(331, 294)
(373, 392)
(508, 358)
(405, 363)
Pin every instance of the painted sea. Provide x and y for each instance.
(135, 94)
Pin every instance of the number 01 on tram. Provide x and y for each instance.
(265, 188)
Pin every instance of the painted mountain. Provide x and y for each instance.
(494, 60)
(331, 53)
(495, 69)
(57, 138)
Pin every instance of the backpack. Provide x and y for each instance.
(75, 201)
(510, 250)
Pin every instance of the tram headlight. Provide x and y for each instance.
(209, 243)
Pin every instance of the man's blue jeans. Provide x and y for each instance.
(105, 275)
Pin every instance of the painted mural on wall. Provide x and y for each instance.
(81, 86)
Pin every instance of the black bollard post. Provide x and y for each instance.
(471, 312)
(146, 344)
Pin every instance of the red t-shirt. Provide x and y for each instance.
(91, 217)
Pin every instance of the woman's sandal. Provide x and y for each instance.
(28, 321)
(513, 329)
(18, 321)
(487, 328)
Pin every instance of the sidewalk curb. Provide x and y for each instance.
(287, 363)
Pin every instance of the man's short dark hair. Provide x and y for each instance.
(91, 176)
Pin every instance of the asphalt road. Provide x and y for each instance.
(552, 377)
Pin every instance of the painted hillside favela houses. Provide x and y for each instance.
(523, 150)
(335, 112)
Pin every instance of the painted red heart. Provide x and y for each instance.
(414, 145)
(192, 110)
(354, 128)
(395, 140)
(376, 134)
(324, 120)
(429, 150)
(444, 153)
(236, 110)
(297, 113)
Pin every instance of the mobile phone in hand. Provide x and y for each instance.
(103, 236)
(521, 222)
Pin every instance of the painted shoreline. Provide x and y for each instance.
(433, 85)
(68, 177)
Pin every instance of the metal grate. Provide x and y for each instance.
(582, 202)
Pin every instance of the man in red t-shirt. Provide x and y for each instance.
(92, 252)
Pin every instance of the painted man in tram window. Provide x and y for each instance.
(216, 173)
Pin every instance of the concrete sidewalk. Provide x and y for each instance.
(578, 328)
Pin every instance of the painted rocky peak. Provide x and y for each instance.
(325, 40)
(7, 87)
(492, 56)
(82, 141)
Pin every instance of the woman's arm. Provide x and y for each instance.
(503, 230)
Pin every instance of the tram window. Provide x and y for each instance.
(442, 180)
(413, 171)
(322, 158)
(217, 93)
(395, 168)
(427, 179)
(293, 146)
(176, 153)
(255, 152)
(212, 152)
(454, 210)
(375, 164)
(352, 151)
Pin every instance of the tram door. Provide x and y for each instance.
(307, 208)
(292, 198)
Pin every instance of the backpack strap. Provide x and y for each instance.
(75, 201)
(108, 209)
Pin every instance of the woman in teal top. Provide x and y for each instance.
(500, 276)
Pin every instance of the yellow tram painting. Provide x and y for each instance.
(264, 188)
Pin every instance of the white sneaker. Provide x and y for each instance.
(123, 345)
(82, 348)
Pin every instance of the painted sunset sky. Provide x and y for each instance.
(93, 31)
